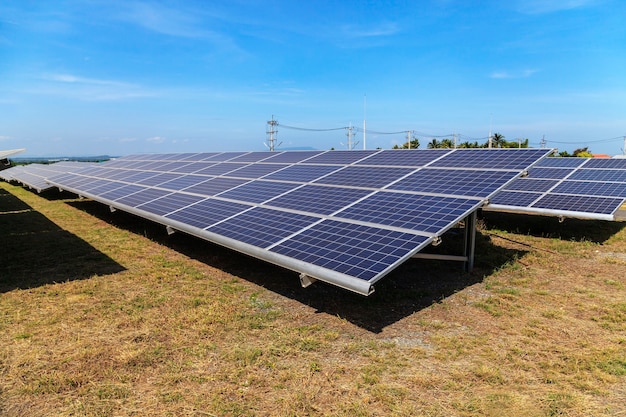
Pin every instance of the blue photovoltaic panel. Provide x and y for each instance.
(355, 250)
(251, 157)
(370, 177)
(595, 188)
(302, 173)
(618, 163)
(292, 156)
(339, 157)
(408, 211)
(224, 156)
(604, 175)
(457, 182)
(598, 205)
(158, 179)
(485, 158)
(140, 176)
(549, 173)
(256, 170)
(169, 203)
(215, 186)
(319, 199)
(514, 198)
(579, 186)
(220, 169)
(561, 162)
(122, 191)
(141, 197)
(258, 191)
(183, 182)
(207, 213)
(404, 157)
(346, 217)
(201, 156)
(276, 226)
(191, 167)
(523, 184)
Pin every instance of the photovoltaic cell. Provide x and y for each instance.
(220, 169)
(215, 186)
(604, 175)
(457, 182)
(355, 250)
(276, 225)
(595, 188)
(599, 205)
(618, 163)
(404, 158)
(292, 156)
(523, 184)
(207, 213)
(561, 162)
(169, 203)
(549, 173)
(319, 199)
(486, 159)
(340, 157)
(579, 187)
(258, 191)
(256, 170)
(415, 212)
(370, 177)
(302, 173)
(514, 198)
(141, 197)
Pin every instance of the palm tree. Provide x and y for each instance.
(433, 144)
(497, 140)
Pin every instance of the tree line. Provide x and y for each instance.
(498, 140)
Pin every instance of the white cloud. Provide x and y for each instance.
(5, 138)
(512, 74)
(156, 139)
(125, 140)
(88, 89)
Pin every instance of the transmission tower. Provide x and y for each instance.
(350, 135)
(272, 132)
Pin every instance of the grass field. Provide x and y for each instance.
(103, 314)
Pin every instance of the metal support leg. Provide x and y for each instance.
(470, 241)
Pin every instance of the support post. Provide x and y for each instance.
(470, 241)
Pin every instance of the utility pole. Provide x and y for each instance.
(408, 138)
(454, 136)
(350, 134)
(543, 141)
(272, 132)
(624, 148)
(364, 119)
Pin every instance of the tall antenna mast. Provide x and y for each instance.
(365, 118)
(272, 131)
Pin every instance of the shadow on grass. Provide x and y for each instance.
(34, 251)
(411, 287)
(596, 231)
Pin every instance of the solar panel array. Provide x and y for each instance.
(584, 188)
(5, 154)
(34, 175)
(345, 217)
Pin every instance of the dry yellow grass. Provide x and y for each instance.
(102, 314)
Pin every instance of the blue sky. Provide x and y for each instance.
(119, 77)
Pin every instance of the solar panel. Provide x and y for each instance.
(584, 188)
(34, 175)
(345, 217)
(6, 153)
